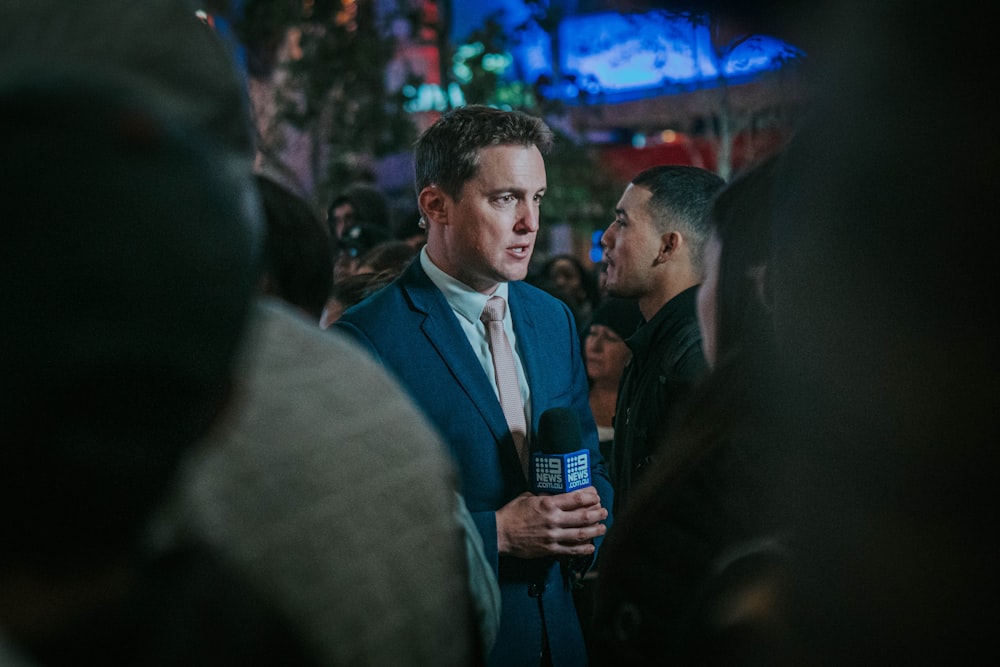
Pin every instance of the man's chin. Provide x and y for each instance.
(516, 273)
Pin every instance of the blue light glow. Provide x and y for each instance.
(623, 52)
(596, 251)
(617, 56)
(611, 53)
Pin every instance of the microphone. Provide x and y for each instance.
(560, 464)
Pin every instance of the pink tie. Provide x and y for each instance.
(506, 375)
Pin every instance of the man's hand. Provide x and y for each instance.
(564, 524)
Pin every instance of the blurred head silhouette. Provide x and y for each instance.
(127, 295)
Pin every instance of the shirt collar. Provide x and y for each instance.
(464, 300)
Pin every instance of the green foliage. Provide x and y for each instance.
(481, 67)
(333, 88)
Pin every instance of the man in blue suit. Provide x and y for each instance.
(480, 179)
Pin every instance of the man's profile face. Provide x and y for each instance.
(631, 245)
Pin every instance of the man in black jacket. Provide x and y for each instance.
(653, 253)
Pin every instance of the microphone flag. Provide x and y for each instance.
(560, 465)
(560, 473)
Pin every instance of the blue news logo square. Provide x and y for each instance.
(560, 473)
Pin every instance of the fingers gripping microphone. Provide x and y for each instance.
(560, 464)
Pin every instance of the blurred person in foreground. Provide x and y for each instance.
(152, 253)
(884, 299)
(144, 132)
(331, 489)
(159, 46)
(480, 180)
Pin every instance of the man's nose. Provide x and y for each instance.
(607, 238)
(528, 218)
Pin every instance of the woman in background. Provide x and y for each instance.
(605, 355)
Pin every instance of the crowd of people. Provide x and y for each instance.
(271, 436)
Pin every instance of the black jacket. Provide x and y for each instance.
(667, 361)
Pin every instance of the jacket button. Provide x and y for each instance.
(533, 590)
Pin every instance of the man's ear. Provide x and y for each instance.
(433, 205)
(670, 242)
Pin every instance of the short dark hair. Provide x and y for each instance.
(682, 197)
(447, 153)
(298, 250)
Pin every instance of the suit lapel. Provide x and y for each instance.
(529, 348)
(441, 328)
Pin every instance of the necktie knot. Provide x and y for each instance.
(495, 309)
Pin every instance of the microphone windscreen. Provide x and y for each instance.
(560, 464)
(559, 431)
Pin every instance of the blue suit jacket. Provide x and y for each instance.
(412, 329)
